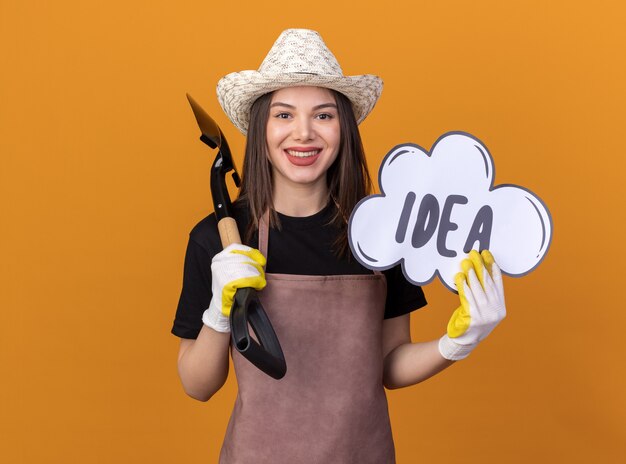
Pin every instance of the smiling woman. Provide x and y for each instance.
(344, 329)
(346, 179)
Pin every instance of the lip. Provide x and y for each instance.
(303, 148)
(302, 161)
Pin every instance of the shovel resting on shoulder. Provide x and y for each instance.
(266, 354)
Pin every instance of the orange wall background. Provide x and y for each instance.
(102, 177)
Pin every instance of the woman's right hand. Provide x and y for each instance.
(236, 266)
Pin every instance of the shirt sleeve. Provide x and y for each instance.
(196, 291)
(402, 296)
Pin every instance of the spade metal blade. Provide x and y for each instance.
(212, 135)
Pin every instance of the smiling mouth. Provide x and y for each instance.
(303, 154)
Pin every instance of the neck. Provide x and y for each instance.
(300, 200)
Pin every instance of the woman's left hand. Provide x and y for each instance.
(482, 306)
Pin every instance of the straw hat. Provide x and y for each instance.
(298, 57)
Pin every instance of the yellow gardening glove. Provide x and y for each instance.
(236, 266)
(482, 305)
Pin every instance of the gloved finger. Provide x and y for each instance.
(494, 271)
(226, 253)
(459, 278)
(489, 286)
(470, 297)
(487, 259)
(257, 282)
(461, 318)
(466, 265)
(229, 270)
(252, 253)
(236, 246)
(465, 293)
(258, 267)
(479, 266)
(472, 264)
(476, 289)
(482, 311)
(496, 274)
(228, 292)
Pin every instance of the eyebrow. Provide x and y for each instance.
(318, 107)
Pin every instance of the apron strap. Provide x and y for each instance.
(264, 232)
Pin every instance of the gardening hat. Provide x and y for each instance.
(298, 57)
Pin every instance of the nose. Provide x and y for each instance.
(303, 129)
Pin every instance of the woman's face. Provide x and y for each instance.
(302, 135)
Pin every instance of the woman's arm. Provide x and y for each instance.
(203, 363)
(482, 308)
(407, 363)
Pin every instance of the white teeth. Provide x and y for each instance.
(302, 154)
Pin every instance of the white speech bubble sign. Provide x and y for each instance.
(434, 207)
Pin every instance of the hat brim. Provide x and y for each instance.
(237, 91)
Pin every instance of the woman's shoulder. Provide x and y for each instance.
(206, 234)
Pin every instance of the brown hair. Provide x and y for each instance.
(348, 177)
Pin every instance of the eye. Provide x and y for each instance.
(325, 116)
(282, 115)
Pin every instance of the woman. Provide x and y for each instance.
(344, 330)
